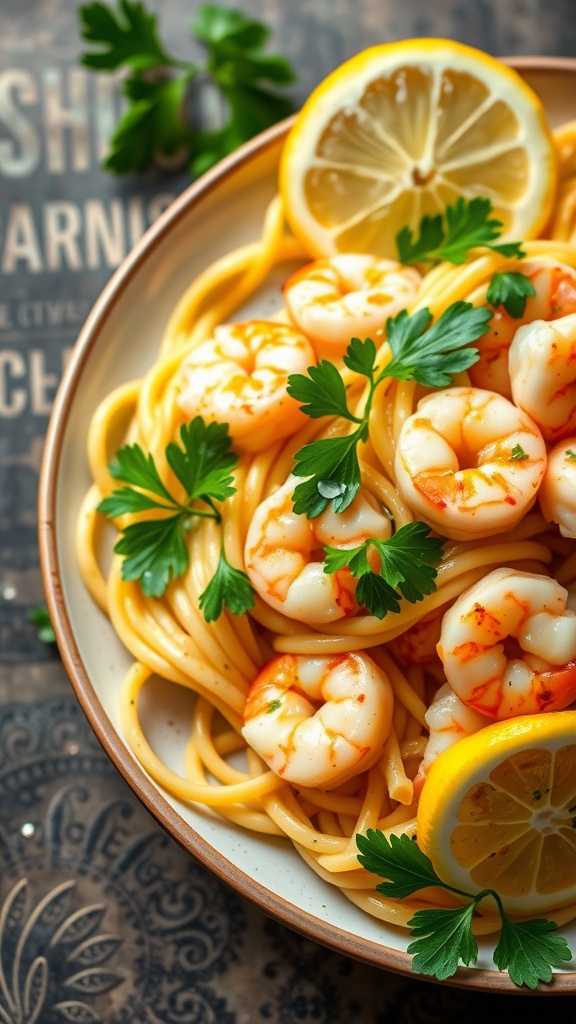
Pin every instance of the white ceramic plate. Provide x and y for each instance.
(118, 343)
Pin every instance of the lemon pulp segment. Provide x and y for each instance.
(403, 130)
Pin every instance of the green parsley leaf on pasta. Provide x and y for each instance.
(465, 225)
(322, 392)
(398, 859)
(229, 588)
(432, 355)
(527, 950)
(361, 357)
(333, 471)
(510, 289)
(429, 354)
(407, 568)
(154, 550)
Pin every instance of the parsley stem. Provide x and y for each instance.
(204, 515)
(478, 897)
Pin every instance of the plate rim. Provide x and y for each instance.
(299, 920)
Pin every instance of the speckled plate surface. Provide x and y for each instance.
(119, 342)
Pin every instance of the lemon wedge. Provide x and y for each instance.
(498, 811)
(404, 129)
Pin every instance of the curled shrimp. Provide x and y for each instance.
(448, 720)
(469, 462)
(239, 377)
(318, 721)
(557, 494)
(508, 645)
(555, 287)
(333, 300)
(417, 644)
(542, 362)
(285, 561)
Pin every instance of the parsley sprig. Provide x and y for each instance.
(407, 568)
(527, 950)
(511, 290)
(465, 225)
(160, 88)
(154, 549)
(428, 354)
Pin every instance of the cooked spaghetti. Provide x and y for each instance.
(223, 660)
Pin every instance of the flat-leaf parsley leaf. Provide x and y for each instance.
(229, 588)
(157, 86)
(510, 289)
(154, 549)
(428, 354)
(407, 567)
(465, 225)
(527, 950)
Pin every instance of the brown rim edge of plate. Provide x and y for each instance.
(275, 906)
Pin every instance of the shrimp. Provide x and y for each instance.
(417, 644)
(555, 286)
(239, 377)
(542, 362)
(448, 720)
(508, 645)
(335, 299)
(469, 462)
(318, 721)
(557, 494)
(284, 558)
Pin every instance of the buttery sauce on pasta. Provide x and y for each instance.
(169, 639)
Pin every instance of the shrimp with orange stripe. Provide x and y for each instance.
(319, 721)
(555, 296)
(239, 377)
(508, 645)
(557, 494)
(448, 720)
(350, 295)
(285, 560)
(542, 363)
(469, 462)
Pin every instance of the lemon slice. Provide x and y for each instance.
(404, 129)
(498, 811)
